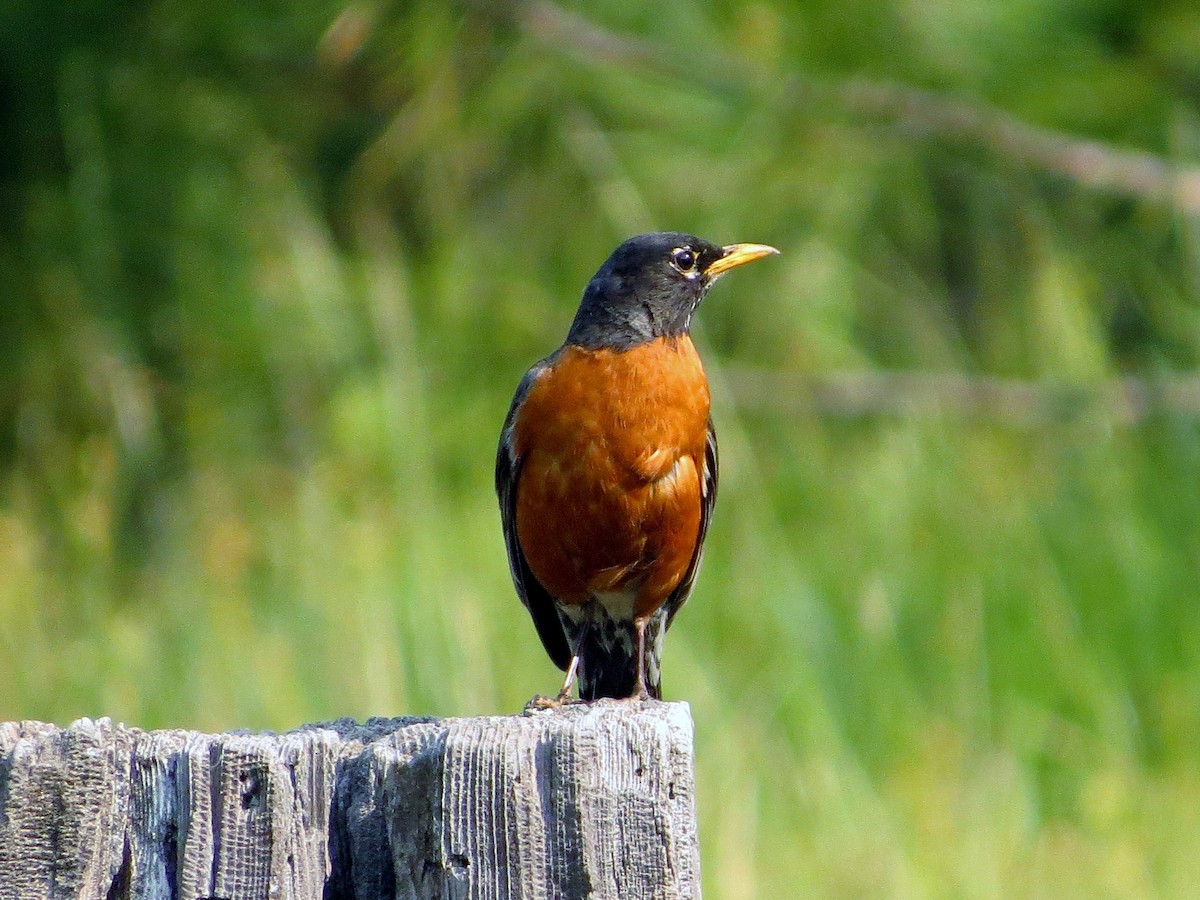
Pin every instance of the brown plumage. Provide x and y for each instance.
(618, 440)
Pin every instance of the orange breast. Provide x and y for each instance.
(612, 449)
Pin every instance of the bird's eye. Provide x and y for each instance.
(685, 259)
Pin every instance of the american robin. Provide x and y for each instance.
(607, 466)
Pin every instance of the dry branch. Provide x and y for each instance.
(1122, 401)
(1088, 163)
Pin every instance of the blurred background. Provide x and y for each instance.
(269, 274)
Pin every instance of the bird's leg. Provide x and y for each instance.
(564, 693)
(639, 649)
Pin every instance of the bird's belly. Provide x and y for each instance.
(587, 535)
(609, 499)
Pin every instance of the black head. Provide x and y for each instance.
(650, 287)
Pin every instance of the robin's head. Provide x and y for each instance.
(650, 287)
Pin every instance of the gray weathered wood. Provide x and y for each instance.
(585, 801)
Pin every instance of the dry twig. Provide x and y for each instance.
(1091, 164)
(1124, 401)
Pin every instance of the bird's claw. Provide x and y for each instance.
(541, 702)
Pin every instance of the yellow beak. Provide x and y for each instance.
(737, 255)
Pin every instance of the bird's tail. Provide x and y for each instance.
(607, 661)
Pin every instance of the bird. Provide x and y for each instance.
(606, 470)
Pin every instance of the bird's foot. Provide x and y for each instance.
(541, 702)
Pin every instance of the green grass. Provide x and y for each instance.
(265, 306)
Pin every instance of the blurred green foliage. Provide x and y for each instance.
(268, 275)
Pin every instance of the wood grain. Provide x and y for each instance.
(586, 801)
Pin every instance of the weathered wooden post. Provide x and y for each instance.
(585, 801)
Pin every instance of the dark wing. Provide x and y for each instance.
(708, 499)
(508, 476)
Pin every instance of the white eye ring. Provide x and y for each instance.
(684, 259)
